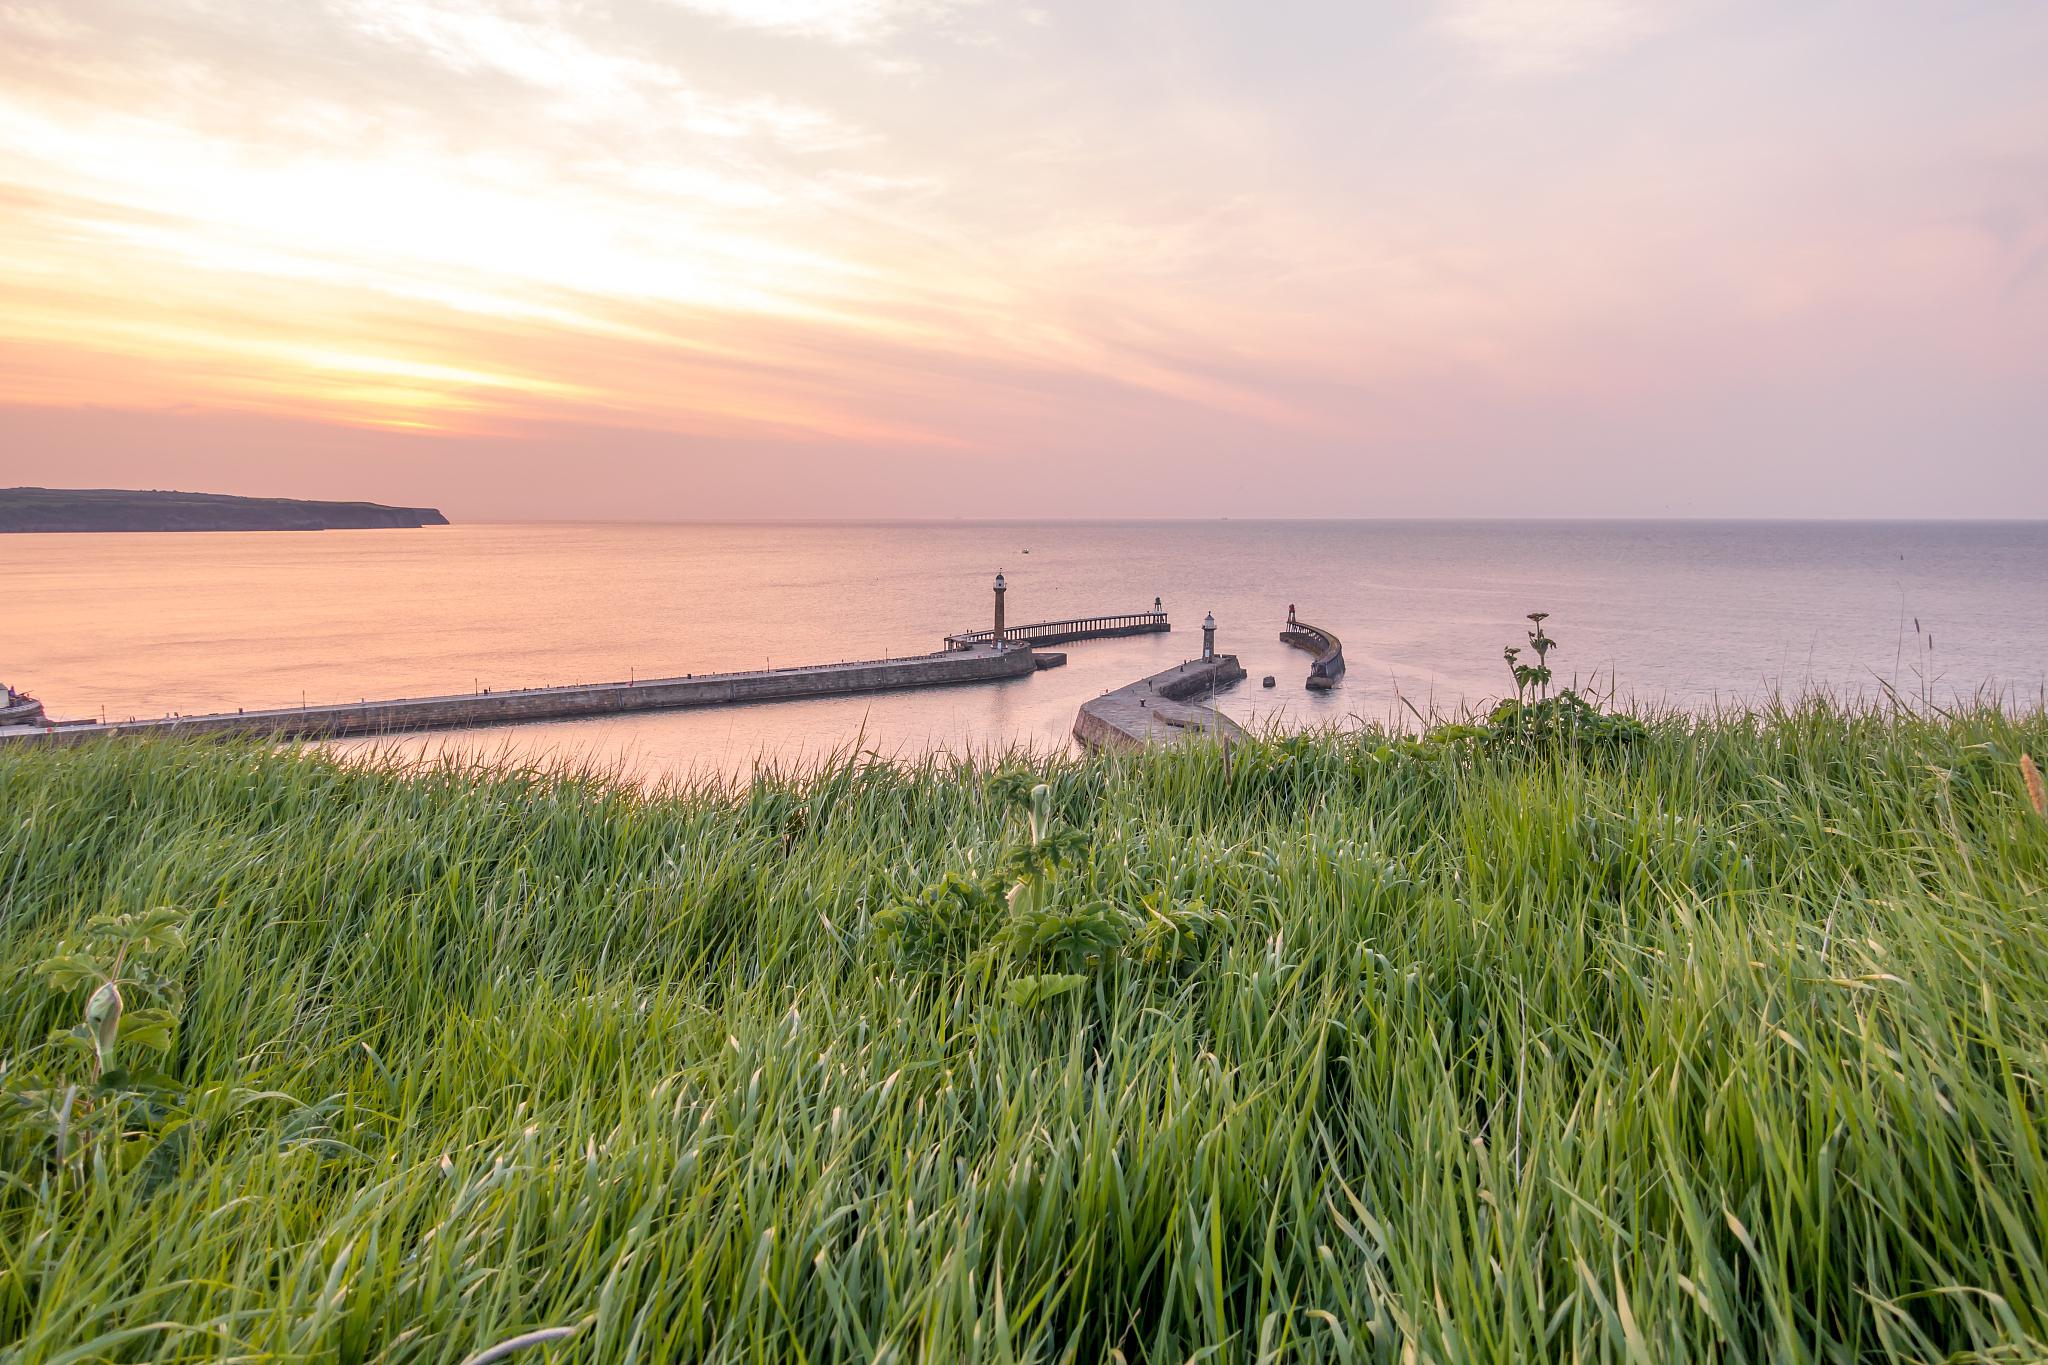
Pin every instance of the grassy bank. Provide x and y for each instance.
(1728, 1044)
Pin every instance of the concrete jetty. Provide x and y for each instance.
(1328, 649)
(565, 703)
(1161, 709)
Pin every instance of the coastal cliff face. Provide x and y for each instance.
(120, 509)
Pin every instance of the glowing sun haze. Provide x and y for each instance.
(694, 258)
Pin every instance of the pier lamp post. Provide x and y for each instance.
(999, 609)
(1209, 637)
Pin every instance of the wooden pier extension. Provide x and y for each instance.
(1039, 633)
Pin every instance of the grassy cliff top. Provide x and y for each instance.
(1730, 1042)
(121, 509)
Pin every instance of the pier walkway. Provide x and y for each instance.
(567, 703)
(1039, 633)
(1161, 709)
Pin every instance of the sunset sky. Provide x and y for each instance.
(707, 258)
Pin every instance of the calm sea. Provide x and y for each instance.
(1665, 613)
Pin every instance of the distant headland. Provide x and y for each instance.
(122, 509)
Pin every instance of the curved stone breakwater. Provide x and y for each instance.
(17, 708)
(568, 703)
(1328, 649)
(1159, 710)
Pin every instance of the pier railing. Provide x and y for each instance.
(1062, 632)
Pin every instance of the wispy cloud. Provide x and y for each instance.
(1107, 240)
(1549, 37)
(838, 21)
(586, 80)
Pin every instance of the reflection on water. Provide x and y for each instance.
(1666, 613)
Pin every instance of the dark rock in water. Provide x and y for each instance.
(1268, 681)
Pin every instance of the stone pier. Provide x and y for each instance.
(566, 703)
(1162, 709)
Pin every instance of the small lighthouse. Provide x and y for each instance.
(1209, 636)
(999, 609)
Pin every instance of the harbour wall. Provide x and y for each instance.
(565, 703)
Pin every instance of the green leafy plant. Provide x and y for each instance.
(1532, 677)
(1045, 850)
(1534, 721)
(1069, 936)
(1534, 718)
(1019, 916)
(1566, 721)
(117, 950)
(943, 923)
(1043, 928)
(1026, 991)
(1174, 934)
(79, 1094)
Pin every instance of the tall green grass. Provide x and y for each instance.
(1733, 1048)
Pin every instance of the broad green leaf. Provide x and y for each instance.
(1031, 990)
(70, 971)
(149, 1028)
